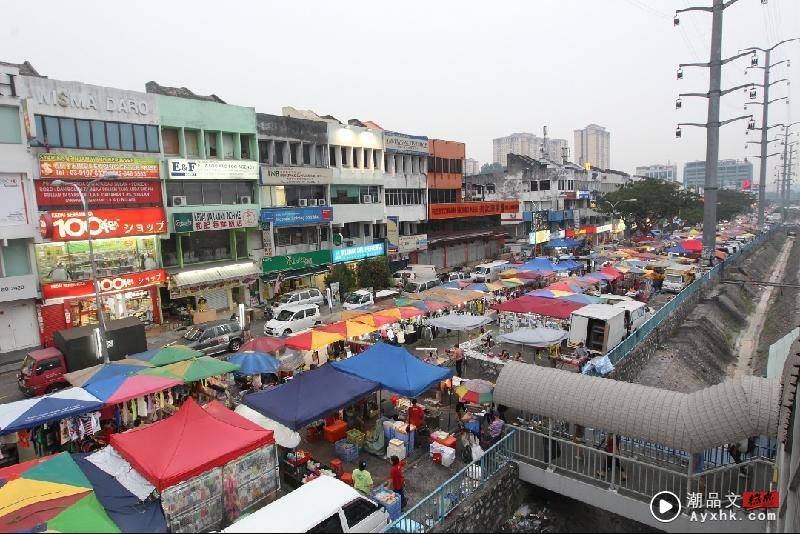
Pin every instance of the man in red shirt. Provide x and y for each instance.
(416, 417)
(398, 479)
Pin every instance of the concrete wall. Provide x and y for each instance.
(489, 507)
(345, 213)
(279, 127)
(205, 115)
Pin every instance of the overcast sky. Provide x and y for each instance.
(458, 70)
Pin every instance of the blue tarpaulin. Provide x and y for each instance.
(537, 264)
(310, 396)
(567, 265)
(123, 507)
(395, 369)
(679, 250)
(562, 243)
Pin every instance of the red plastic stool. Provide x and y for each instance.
(347, 478)
(312, 434)
(336, 466)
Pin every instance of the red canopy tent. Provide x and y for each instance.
(189, 443)
(560, 309)
(695, 245)
(613, 273)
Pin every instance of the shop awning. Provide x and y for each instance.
(548, 307)
(28, 413)
(216, 274)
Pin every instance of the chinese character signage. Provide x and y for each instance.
(213, 169)
(106, 194)
(361, 252)
(293, 262)
(71, 225)
(472, 209)
(295, 175)
(407, 144)
(296, 216)
(121, 282)
(199, 221)
(79, 166)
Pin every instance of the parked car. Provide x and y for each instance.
(417, 286)
(214, 337)
(364, 298)
(293, 318)
(310, 295)
(456, 276)
(413, 272)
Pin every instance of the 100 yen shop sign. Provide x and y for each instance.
(72, 225)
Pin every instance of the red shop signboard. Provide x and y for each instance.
(121, 282)
(112, 194)
(71, 225)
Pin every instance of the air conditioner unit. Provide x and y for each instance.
(303, 202)
(312, 201)
(245, 200)
(178, 201)
(320, 202)
(367, 199)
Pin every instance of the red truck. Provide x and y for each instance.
(43, 370)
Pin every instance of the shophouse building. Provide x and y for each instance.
(84, 132)
(406, 193)
(19, 289)
(211, 173)
(296, 215)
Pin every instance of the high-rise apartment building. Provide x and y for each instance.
(593, 146)
(668, 172)
(731, 174)
(528, 144)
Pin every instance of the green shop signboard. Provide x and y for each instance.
(182, 222)
(293, 262)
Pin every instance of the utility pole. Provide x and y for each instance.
(713, 123)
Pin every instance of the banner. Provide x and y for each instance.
(295, 175)
(339, 255)
(213, 169)
(199, 221)
(12, 200)
(407, 144)
(393, 233)
(71, 225)
(106, 194)
(296, 216)
(90, 167)
(472, 209)
(120, 282)
(410, 243)
(293, 262)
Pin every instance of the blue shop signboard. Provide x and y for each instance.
(296, 216)
(340, 255)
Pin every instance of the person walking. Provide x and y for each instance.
(458, 357)
(398, 479)
(362, 479)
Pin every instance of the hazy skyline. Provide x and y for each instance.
(465, 71)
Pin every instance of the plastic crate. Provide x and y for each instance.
(393, 508)
(356, 437)
(346, 451)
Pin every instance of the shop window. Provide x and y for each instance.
(112, 133)
(52, 131)
(84, 134)
(152, 138)
(126, 136)
(169, 251)
(211, 193)
(307, 154)
(190, 138)
(61, 262)
(294, 148)
(367, 228)
(10, 130)
(263, 151)
(241, 244)
(376, 159)
(99, 134)
(280, 152)
(16, 261)
(211, 144)
(332, 155)
(228, 194)
(228, 146)
(320, 155)
(244, 143)
(206, 246)
(171, 144)
(193, 192)
(347, 153)
(140, 137)
(69, 136)
(345, 194)
(544, 185)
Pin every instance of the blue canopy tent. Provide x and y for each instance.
(537, 264)
(562, 243)
(567, 265)
(679, 250)
(28, 413)
(395, 369)
(310, 396)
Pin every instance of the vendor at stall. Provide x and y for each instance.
(362, 479)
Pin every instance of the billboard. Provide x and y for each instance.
(296, 216)
(80, 166)
(105, 194)
(199, 221)
(212, 169)
(120, 282)
(471, 209)
(71, 225)
(339, 255)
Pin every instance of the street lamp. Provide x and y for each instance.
(84, 202)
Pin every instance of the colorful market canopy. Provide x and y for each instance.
(349, 329)
(430, 305)
(566, 286)
(521, 275)
(119, 389)
(50, 494)
(557, 308)
(192, 370)
(613, 273)
(312, 340)
(189, 443)
(28, 413)
(310, 396)
(550, 293)
(460, 322)
(105, 370)
(486, 288)
(581, 298)
(374, 320)
(695, 245)
(264, 344)
(166, 355)
(407, 312)
(476, 391)
(534, 337)
(395, 369)
(255, 362)
(404, 301)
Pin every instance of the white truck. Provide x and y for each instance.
(363, 298)
(414, 271)
(487, 272)
(600, 327)
(636, 313)
(678, 277)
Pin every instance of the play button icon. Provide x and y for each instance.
(665, 506)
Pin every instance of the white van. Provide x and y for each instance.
(363, 298)
(292, 319)
(325, 504)
(636, 313)
(487, 272)
(415, 271)
(418, 286)
(309, 295)
(598, 326)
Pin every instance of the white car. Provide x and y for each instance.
(363, 298)
(293, 318)
(310, 295)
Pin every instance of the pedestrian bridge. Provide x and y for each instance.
(559, 443)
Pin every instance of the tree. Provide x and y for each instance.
(345, 276)
(488, 168)
(374, 273)
(732, 203)
(657, 202)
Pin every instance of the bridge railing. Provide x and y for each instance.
(433, 509)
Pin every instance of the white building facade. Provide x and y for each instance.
(405, 191)
(528, 144)
(668, 172)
